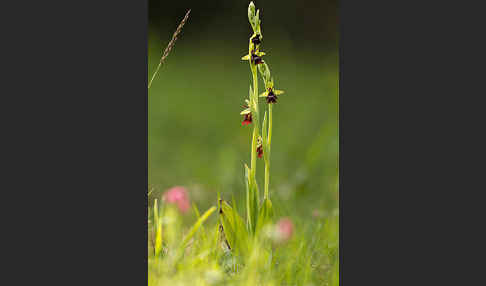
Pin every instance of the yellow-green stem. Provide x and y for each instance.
(253, 153)
(255, 123)
(267, 179)
(267, 156)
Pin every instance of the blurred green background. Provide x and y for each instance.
(195, 134)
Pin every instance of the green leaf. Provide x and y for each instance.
(156, 213)
(254, 204)
(196, 226)
(234, 228)
(198, 215)
(252, 200)
(265, 215)
(158, 238)
(158, 229)
(248, 201)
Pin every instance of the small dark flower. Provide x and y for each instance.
(256, 59)
(247, 113)
(247, 119)
(271, 97)
(271, 94)
(256, 40)
(259, 151)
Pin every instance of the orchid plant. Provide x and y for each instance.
(258, 214)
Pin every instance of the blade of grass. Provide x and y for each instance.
(197, 225)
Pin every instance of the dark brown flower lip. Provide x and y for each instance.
(256, 40)
(256, 59)
(271, 97)
(259, 151)
(247, 120)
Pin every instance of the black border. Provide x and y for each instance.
(75, 101)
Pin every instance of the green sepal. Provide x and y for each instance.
(246, 111)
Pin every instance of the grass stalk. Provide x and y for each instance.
(169, 47)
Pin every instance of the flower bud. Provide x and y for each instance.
(251, 15)
(265, 72)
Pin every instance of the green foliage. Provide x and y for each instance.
(251, 199)
(158, 229)
(311, 257)
(234, 228)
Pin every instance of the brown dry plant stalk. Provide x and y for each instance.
(170, 46)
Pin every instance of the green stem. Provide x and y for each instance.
(253, 153)
(267, 179)
(255, 123)
(270, 107)
(267, 156)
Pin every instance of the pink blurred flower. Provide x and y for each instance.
(285, 229)
(178, 195)
(317, 214)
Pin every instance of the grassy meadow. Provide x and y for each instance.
(196, 140)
